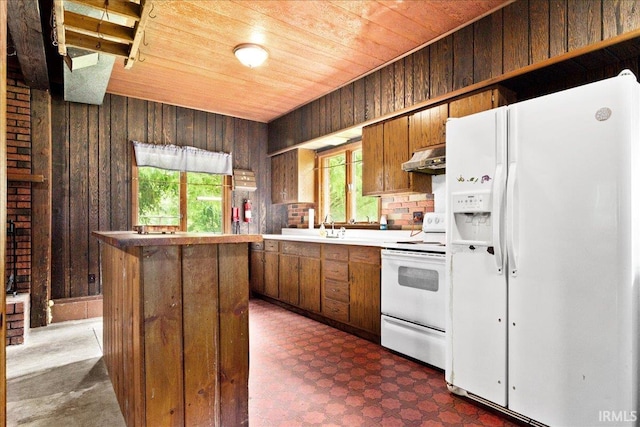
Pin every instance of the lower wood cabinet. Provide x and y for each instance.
(263, 270)
(336, 282)
(364, 288)
(300, 274)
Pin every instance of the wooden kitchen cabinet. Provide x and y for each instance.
(264, 268)
(292, 177)
(487, 99)
(428, 127)
(300, 274)
(364, 288)
(335, 282)
(271, 275)
(351, 286)
(256, 267)
(385, 146)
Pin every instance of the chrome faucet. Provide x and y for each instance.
(326, 219)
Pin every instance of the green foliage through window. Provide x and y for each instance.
(159, 199)
(342, 188)
(365, 208)
(204, 202)
(158, 196)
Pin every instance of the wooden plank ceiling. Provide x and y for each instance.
(185, 54)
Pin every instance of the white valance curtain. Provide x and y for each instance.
(184, 159)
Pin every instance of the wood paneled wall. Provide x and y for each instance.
(523, 33)
(92, 169)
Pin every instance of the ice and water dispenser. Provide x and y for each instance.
(472, 218)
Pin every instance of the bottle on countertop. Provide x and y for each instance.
(322, 230)
(383, 222)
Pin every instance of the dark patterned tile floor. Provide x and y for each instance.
(305, 373)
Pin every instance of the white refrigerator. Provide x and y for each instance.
(543, 255)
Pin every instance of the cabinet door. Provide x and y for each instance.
(372, 159)
(309, 281)
(289, 288)
(486, 100)
(396, 152)
(471, 104)
(427, 127)
(256, 263)
(271, 276)
(281, 177)
(364, 295)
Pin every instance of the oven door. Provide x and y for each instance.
(413, 287)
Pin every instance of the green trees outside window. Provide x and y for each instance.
(341, 187)
(159, 201)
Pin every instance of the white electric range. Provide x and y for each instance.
(413, 294)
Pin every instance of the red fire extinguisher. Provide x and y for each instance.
(247, 210)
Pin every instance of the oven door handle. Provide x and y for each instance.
(403, 255)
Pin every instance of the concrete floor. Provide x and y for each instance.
(58, 378)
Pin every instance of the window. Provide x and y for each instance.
(192, 201)
(340, 180)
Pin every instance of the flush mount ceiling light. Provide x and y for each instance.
(250, 55)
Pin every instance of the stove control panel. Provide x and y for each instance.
(434, 222)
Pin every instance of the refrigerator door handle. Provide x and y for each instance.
(498, 189)
(511, 219)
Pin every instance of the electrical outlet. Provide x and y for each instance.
(417, 217)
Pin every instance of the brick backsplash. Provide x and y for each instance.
(298, 214)
(399, 209)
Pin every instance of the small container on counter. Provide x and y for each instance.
(383, 222)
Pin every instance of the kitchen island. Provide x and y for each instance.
(176, 338)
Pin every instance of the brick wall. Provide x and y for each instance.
(18, 197)
(298, 214)
(19, 162)
(399, 209)
(15, 323)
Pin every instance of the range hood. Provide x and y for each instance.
(430, 161)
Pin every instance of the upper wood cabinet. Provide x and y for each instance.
(292, 177)
(427, 127)
(385, 146)
(487, 99)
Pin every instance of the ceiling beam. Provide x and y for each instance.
(96, 44)
(122, 8)
(26, 31)
(99, 29)
(145, 15)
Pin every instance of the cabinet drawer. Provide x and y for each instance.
(311, 250)
(335, 309)
(336, 270)
(336, 252)
(257, 246)
(271, 245)
(336, 290)
(365, 254)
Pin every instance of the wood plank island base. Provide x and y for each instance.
(176, 326)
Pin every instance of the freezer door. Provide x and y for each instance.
(477, 328)
(477, 338)
(573, 255)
